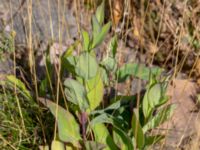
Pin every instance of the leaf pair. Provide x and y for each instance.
(99, 30)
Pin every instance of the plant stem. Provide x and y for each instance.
(83, 121)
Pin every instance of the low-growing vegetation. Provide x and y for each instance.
(75, 104)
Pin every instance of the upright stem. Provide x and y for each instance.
(83, 121)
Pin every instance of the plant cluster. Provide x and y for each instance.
(125, 122)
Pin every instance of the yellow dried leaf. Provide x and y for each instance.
(117, 11)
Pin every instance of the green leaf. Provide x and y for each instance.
(86, 66)
(100, 13)
(68, 128)
(117, 127)
(146, 107)
(109, 119)
(95, 91)
(113, 106)
(136, 70)
(57, 145)
(20, 85)
(151, 140)
(103, 118)
(96, 28)
(163, 115)
(120, 101)
(92, 145)
(72, 60)
(101, 35)
(69, 63)
(44, 86)
(76, 93)
(86, 40)
(102, 135)
(122, 140)
(106, 118)
(137, 131)
(113, 46)
(155, 95)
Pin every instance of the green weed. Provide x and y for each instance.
(125, 123)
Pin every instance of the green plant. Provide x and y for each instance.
(6, 43)
(120, 125)
(18, 114)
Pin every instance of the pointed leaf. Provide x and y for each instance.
(69, 63)
(150, 140)
(137, 131)
(119, 102)
(86, 40)
(163, 115)
(113, 46)
(122, 140)
(113, 106)
(116, 123)
(101, 36)
(96, 28)
(107, 118)
(100, 13)
(103, 118)
(137, 70)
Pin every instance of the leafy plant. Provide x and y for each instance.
(86, 124)
(6, 43)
